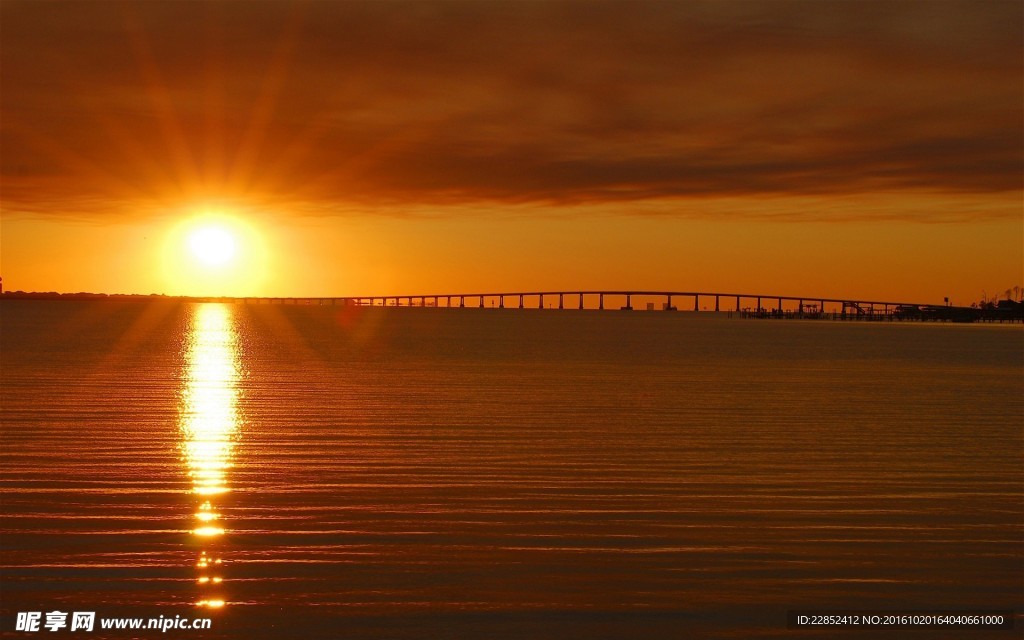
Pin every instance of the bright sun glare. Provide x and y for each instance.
(212, 246)
(215, 253)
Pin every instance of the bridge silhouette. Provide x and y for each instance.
(622, 299)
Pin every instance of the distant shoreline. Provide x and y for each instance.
(1006, 311)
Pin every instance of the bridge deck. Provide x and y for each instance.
(576, 298)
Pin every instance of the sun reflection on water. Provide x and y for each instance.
(209, 426)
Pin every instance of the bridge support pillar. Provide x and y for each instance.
(501, 302)
(560, 305)
(540, 303)
(716, 303)
(581, 301)
(462, 301)
(520, 301)
(481, 302)
(780, 305)
(629, 304)
(600, 301)
(696, 302)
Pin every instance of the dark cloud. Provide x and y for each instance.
(107, 105)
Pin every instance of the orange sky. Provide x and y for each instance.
(861, 149)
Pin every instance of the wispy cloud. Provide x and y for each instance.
(327, 108)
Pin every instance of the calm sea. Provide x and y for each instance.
(320, 472)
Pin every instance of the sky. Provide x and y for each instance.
(837, 149)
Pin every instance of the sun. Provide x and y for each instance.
(212, 245)
(215, 253)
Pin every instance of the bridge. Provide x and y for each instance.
(750, 303)
(757, 305)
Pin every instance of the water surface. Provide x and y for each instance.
(428, 473)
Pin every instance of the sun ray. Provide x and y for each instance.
(245, 160)
(162, 101)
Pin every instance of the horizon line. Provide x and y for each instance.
(493, 294)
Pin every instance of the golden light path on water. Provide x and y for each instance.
(209, 427)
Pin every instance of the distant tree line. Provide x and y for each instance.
(82, 295)
(1013, 295)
